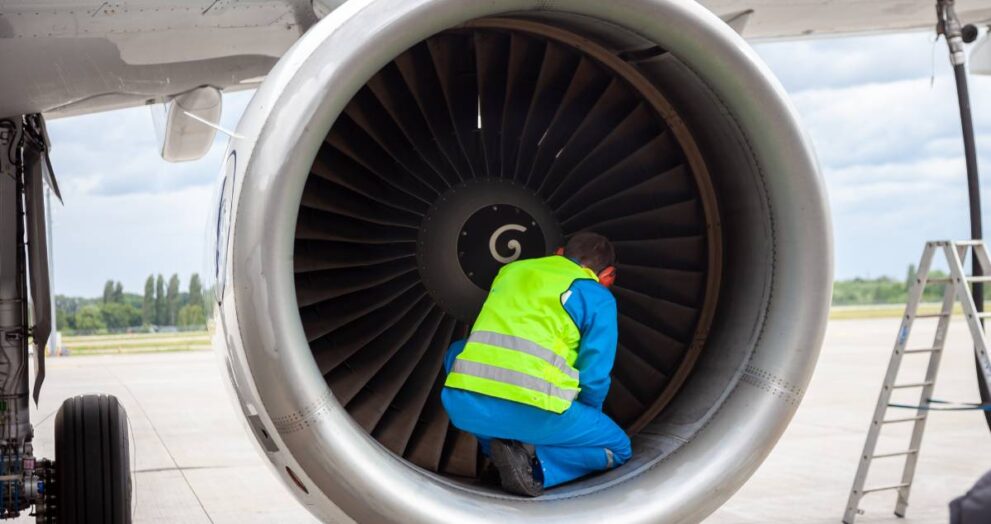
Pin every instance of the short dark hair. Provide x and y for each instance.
(591, 250)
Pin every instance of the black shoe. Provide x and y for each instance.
(490, 474)
(515, 463)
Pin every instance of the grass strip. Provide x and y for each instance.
(884, 311)
(130, 351)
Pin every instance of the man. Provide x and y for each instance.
(530, 380)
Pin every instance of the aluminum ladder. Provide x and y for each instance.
(957, 288)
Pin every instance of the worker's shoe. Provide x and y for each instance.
(490, 474)
(516, 463)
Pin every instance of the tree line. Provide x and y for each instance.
(883, 290)
(161, 305)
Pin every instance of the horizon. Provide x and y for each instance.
(185, 283)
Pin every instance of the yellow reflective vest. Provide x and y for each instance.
(524, 344)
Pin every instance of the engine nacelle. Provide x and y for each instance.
(403, 150)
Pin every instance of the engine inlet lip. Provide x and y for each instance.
(289, 130)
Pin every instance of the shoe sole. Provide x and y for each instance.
(512, 472)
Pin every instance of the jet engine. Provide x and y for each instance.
(403, 150)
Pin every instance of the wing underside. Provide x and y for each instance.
(87, 56)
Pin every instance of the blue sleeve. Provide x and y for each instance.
(593, 309)
(453, 351)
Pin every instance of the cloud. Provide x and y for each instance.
(127, 212)
(883, 213)
(848, 61)
(117, 153)
(888, 140)
(882, 122)
(128, 237)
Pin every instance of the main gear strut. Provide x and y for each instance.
(90, 479)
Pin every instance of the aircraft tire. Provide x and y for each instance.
(92, 461)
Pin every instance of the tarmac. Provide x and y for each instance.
(194, 461)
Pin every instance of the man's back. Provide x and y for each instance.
(524, 344)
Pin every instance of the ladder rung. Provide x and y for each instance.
(913, 385)
(895, 454)
(969, 242)
(986, 314)
(906, 419)
(885, 488)
(979, 279)
(939, 280)
(922, 350)
(933, 315)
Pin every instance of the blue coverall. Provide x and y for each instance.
(577, 442)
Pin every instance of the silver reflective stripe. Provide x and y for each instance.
(609, 458)
(524, 346)
(515, 378)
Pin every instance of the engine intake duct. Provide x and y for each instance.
(502, 134)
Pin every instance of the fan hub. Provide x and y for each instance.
(471, 231)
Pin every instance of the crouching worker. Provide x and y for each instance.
(530, 380)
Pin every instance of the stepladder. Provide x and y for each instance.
(957, 288)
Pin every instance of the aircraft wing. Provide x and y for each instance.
(82, 56)
(770, 19)
(86, 56)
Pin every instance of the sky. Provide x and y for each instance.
(881, 111)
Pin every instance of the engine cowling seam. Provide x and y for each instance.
(300, 419)
(773, 384)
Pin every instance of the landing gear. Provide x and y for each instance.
(90, 481)
(92, 461)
